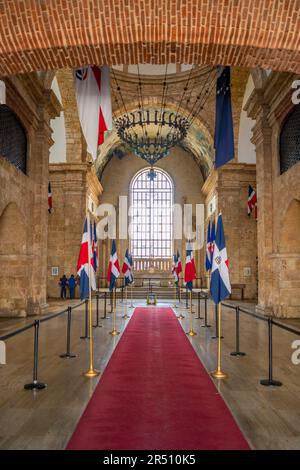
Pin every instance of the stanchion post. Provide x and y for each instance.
(105, 306)
(68, 354)
(199, 307)
(237, 351)
(186, 298)
(205, 314)
(191, 332)
(125, 316)
(270, 381)
(218, 373)
(97, 313)
(35, 384)
(114, 331)
(86, 334)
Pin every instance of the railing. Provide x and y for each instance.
(35, 384)
(199, 296)
(160, 264)
(142, 281)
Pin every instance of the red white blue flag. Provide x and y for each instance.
(113, 267)
(93, 97)
(220, 286)
(252, 202)
(126, 269)
(208, 258)
(174, 268)
(190, 268)
(83, 264)
(94, 247)
(49, 198)
(178, 264)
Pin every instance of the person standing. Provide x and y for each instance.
(72, 285)
(63, 282)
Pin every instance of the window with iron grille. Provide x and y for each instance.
(151, 215)
(13, 141)
(290, 140)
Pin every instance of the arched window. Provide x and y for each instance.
(290, 140)
(13, 141)
(152, 220)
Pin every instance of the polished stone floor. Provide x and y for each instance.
(269, 417)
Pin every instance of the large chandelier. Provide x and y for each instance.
(152, 133)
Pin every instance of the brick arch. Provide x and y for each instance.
(41, 35)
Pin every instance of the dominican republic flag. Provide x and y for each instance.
(190, 268)
(224, 140)
(178, 264)
(126, 269)
(252, 201)
(94, 246)
(208, 249)
(49, 198)
(93, 97)
(131, 265)
(83, 264)
(113, 267)
(174, 269)
(220, 284)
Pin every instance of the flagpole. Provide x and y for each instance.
(114, 331)
(175, 306)
(191, 332)
(125, 316)
(218, 373)
(91, 372)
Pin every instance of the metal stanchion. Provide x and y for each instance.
(199, 308)
(218, 373)
(86, 334)
(186, 298)
(270, 381)
(237, 351)
(105, 306)
(35, 384)
(191, 331)
(114, 331)
(125, 316)
(97, 313)
(68, 354)
(205, 314)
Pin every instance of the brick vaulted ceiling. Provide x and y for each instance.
(52, 34)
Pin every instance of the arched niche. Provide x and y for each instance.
(12, 231)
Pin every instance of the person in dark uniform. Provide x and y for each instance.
(72, 285)
(63, 282)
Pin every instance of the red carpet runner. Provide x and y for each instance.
(155, 394)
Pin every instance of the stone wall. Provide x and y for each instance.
(23, 202)
(278, 197)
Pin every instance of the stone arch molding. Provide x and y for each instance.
(57, 34)
(198, 142)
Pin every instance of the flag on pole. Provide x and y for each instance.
(126, 269)
(224, 140)
(174, 268)
(49, 198)
(95, 247)
(83, 265)
(131, 265)
(220, 286)
(179, 264)
(208, 257)
(93, 97)
(113, 267)
(252, 201)
(190, 268)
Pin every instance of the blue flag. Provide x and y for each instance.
(208, 249)
(220, 284)
(224, 140)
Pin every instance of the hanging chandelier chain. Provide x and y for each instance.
(205, 98)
